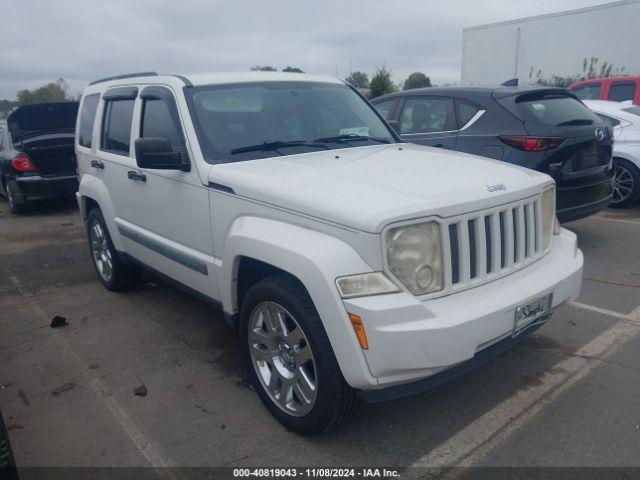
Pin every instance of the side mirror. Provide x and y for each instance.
(156, 153)
(395, 125)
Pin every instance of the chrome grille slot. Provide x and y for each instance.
(482, 246)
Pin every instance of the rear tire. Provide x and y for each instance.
(626, 186)
(14, 206)
(291, 348)
(114, 273)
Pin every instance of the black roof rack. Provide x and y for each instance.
(128, 75)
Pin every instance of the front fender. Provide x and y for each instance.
(314, 258)
(95, 189)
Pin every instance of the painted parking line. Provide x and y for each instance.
(477, 439)
(149, 450)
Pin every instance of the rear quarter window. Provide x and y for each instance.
(87, 119)
(555, 110)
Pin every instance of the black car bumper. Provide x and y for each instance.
(579, 200)
(36, 187)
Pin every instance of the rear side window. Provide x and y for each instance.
(621, 91)
(87, 119)
(116, 128)
(426, 115)
(556, 110)
(385, 108)
(588, 92)
(466, 111)
(157, 122)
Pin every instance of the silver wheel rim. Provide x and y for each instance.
(100, 251)
(622, 184)
(10, 197)
(282, 359)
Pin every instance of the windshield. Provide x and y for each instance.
(556, 110)
(257, 120)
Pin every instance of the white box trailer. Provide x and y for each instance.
(553, 44)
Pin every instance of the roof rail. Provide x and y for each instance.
(127, 75)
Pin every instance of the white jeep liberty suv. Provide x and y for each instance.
(353, 266)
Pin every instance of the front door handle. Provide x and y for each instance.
(97, 164)
(138, 177)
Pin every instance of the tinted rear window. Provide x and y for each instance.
(556, 110)
(621, 91)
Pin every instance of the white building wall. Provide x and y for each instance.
(556, 44)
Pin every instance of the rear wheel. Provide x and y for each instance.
(114, 273)
(14, 206)
(626, 184)
(290, 360)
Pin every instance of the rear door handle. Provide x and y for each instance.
(135, 176)
(97, 164)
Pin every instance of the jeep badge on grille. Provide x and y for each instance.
(497, 187)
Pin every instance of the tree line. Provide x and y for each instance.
(381, 82)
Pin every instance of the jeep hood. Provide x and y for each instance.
(366, 188)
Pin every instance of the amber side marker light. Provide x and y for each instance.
(358, 327)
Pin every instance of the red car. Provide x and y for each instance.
(617, 89)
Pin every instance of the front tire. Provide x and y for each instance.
(113, 272)
(290, 360)
(626, 183)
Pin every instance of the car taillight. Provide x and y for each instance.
(533, 144)
(22, 164)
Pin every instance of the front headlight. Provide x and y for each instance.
(548, 213)
(414, 256)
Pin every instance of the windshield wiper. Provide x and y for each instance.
(350, 137)
(576, 121)
(274, 145)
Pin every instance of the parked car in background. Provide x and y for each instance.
(616, 89)
(8, 469)
(37, 160)
(346, 261)
(624, 118)
(545, 129)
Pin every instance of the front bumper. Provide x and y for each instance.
(411, 340)
(35, 187)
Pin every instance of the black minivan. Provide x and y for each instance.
(546, 129)
(37, 158)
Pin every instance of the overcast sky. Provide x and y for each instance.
(82, 40)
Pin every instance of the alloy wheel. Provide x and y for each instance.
(101, 251)
(622, 184)
(10, 198)
(282, 358)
